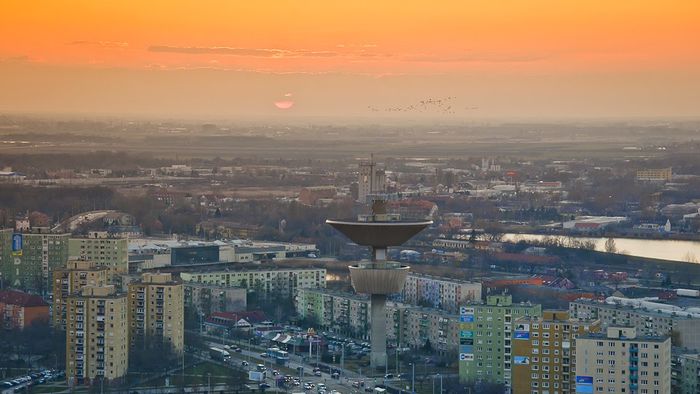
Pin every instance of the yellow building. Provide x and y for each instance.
(156, 311)
(70, 281)
(655, 174)
(544, 351)
(620, 361)
(96, 335)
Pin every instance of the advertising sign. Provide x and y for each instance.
(466, 334)
(17, 244)
(521, 335)
(584, 384)
(521, 360)
(466, 318)
(466, 357)
(466, 349)
(466, 341)
(584, 389)
(522, 331)
(463, 310)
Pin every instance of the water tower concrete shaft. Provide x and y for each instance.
(378, 277)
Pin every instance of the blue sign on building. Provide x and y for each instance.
(466, 318)
(17, 244)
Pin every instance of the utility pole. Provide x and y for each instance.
(209, 382)
(342, 363)
(413, 378)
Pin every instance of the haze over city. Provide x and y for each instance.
(535, 59)
(325, 197)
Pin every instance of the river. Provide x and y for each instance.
(665, 249)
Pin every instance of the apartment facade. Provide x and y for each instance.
(486, 338)
(96, 335)
(655, 174)
(18, 310)
(620, 361)
(268, 283)
(648, 322)
(686, 376)
(544, 351)
(156, 311)
(439, 292)
(105, 251)
(27, 260)
(206, 299)
(406, 326)
(71, 280)
(428, 327)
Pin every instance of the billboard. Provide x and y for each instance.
(466, 318)
(17, 241)
(584, 384)
(523, 335)
(463, 310)
(521, 360)
(466, 341)
(466, 357)
(522, 331)
(466, 349)
(466, 334)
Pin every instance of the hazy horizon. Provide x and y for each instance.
(286, 60)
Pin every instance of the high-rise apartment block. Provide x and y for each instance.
(156, 311)
(544, 351)
(70, 281)
(104, 250)
(371, 180)
(438, 292)
(486, 338)
(96, 335)
(686, 374)
(619, 361)
(28, 259)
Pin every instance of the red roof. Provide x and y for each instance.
(249, 316)
(20, 298)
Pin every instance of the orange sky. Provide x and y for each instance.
(614, 44)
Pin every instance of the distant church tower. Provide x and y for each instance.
(371, 180)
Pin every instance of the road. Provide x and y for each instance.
(343, 385)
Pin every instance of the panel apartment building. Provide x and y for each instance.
(646, 318)
(544, 351)
(156, 311)
(96, 335)
(70, 281)
(28, 263)
(406, 326)
(486, 338)
(268, 282)
(104, 250)
(438, 292)
(620, 361)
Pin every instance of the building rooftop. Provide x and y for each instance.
(679, 313)
(19, 298)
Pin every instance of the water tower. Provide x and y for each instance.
(378, 277)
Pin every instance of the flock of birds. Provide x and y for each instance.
(445, 105)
